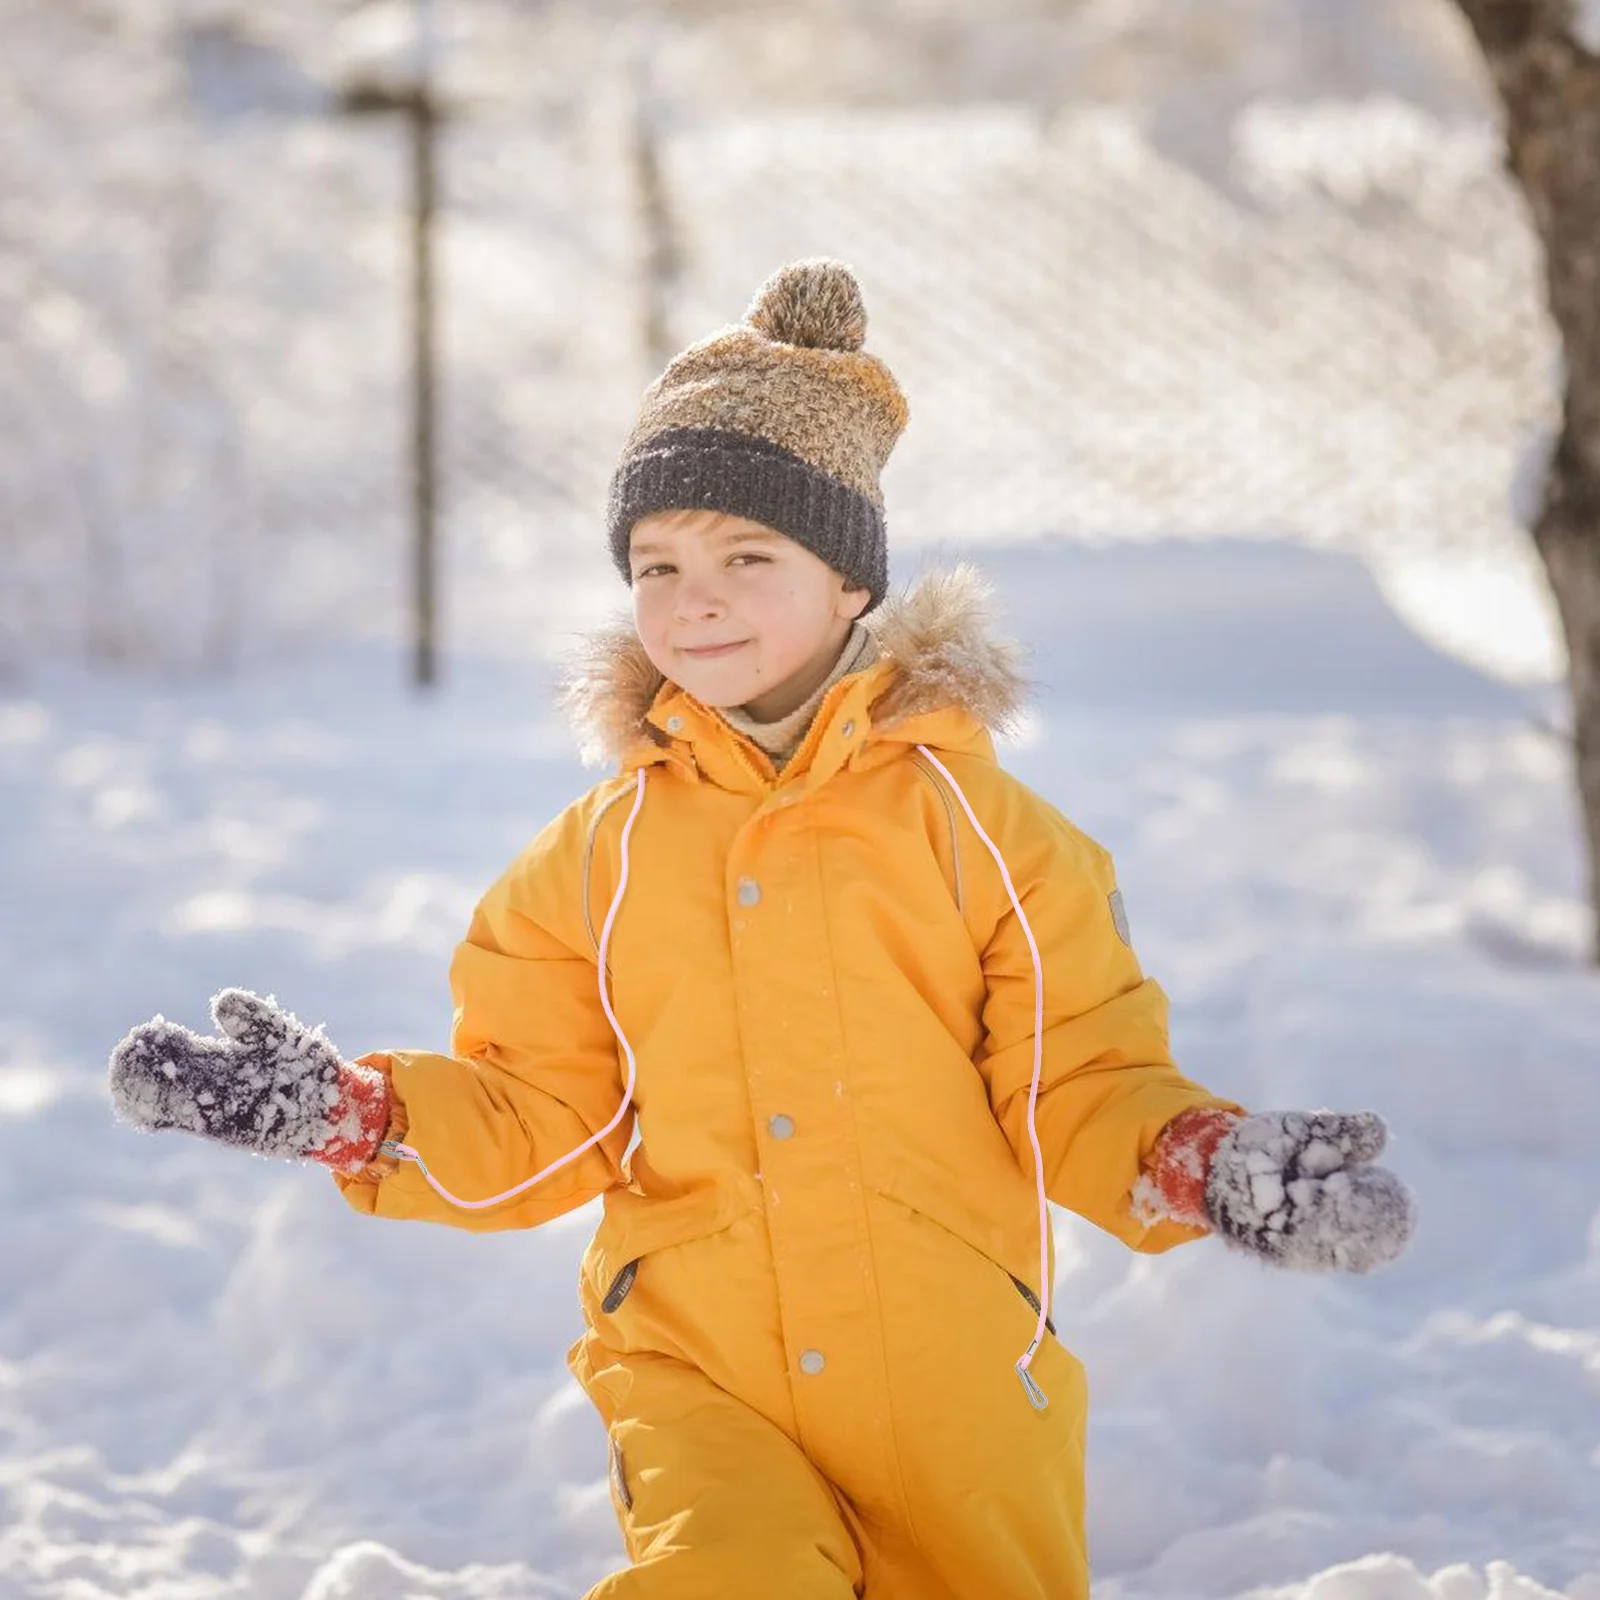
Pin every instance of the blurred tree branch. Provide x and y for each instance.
(414, 98)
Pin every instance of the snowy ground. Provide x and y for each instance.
(1351, 860)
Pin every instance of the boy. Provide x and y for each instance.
(868, 1001)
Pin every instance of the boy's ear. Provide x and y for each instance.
(852, 602)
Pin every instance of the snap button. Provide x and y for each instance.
(780, 1127)
(749, 892)
(674, 724)
(811, 1362)
(849, 728)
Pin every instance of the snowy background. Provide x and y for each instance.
(1223, 359)
(1349, 857)
(1147, 270)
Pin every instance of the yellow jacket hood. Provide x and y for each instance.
(942, 676)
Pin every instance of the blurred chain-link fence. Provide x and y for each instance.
(1123, 304)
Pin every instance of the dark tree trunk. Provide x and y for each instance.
(1549, 85)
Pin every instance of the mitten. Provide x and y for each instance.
(270, 1085)
(1295, 1188)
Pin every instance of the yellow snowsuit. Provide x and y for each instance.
(815, 1272)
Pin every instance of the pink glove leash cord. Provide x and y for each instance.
(1036, 1396)
(406, 1153)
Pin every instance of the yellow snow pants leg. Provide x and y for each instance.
(714, 1501)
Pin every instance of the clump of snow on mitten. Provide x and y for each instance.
(270, 1084)
(1296, 1189)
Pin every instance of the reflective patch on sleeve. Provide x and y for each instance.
(619, 1477)
(1119, 918)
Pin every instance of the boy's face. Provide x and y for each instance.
(735, 613)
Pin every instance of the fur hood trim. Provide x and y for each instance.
(937, 632)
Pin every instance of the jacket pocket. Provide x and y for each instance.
(982, 1236)
(636, 1227)
(620, 1285)
(1032, 1299)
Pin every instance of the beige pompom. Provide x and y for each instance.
(815, 303)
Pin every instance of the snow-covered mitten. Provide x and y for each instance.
(270, 1084)
(1295, 1188)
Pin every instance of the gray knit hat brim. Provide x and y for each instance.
(743, 475)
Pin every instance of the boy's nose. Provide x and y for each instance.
(694, 601)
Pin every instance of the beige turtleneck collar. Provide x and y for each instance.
(782, 738)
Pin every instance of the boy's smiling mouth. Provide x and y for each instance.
(707, 651)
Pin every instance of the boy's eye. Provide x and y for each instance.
(658, 567)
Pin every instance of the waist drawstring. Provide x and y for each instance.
(1036, 1396)
(393, 1147)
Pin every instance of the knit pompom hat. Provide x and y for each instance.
(783, 419)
